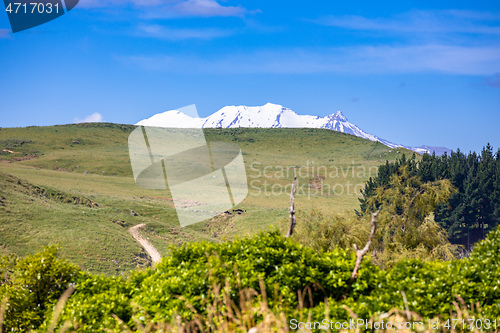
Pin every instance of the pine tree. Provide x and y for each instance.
(470, 213)
(404, 223)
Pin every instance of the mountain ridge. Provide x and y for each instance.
(272, 116)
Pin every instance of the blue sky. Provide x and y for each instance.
(413, 72)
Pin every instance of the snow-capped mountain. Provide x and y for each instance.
(269, 116)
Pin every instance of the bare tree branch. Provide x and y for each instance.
(292, 208)
(361, 253)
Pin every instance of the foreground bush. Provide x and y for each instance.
(184, 283)
(263, 282)
(31, 286)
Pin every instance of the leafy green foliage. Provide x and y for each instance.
(193, 269)
(95, 301)
(32, 285)
(404, 225)
(431, 287)
(296, 279)
(471, 212)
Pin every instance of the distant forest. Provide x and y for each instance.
(474, 210)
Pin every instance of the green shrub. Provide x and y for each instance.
(291, 279)
(94, 302)
(32, 285)
(431, 287)
(480, 274)
(192, 270)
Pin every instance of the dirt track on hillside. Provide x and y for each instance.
(150, 249)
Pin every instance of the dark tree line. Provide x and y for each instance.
(469, 214)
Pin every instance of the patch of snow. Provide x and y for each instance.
(270, 116)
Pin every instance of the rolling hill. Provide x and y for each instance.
(73, 185)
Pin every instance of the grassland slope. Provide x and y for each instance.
(73, 185)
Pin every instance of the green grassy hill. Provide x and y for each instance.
(73, 185)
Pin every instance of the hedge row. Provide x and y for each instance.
(187, 282)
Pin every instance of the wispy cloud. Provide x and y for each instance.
(93, 118)
(204, 8)
(493, 80)
(112, 3)
(4, 33)
(175, 34)
(354, 60)
(154, 9)
(447, 41)
(444, 21)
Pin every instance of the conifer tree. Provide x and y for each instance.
(405, 224)
(471, 212)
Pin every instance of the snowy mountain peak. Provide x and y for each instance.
(267, 116)
(338, 116)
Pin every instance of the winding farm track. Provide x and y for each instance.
(150, 249)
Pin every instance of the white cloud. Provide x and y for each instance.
(111, 3)
(93, 118)
(171, 8)
(174, 34)
(206, 8)
(446, 41)
(444, 21)
(355, 60)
